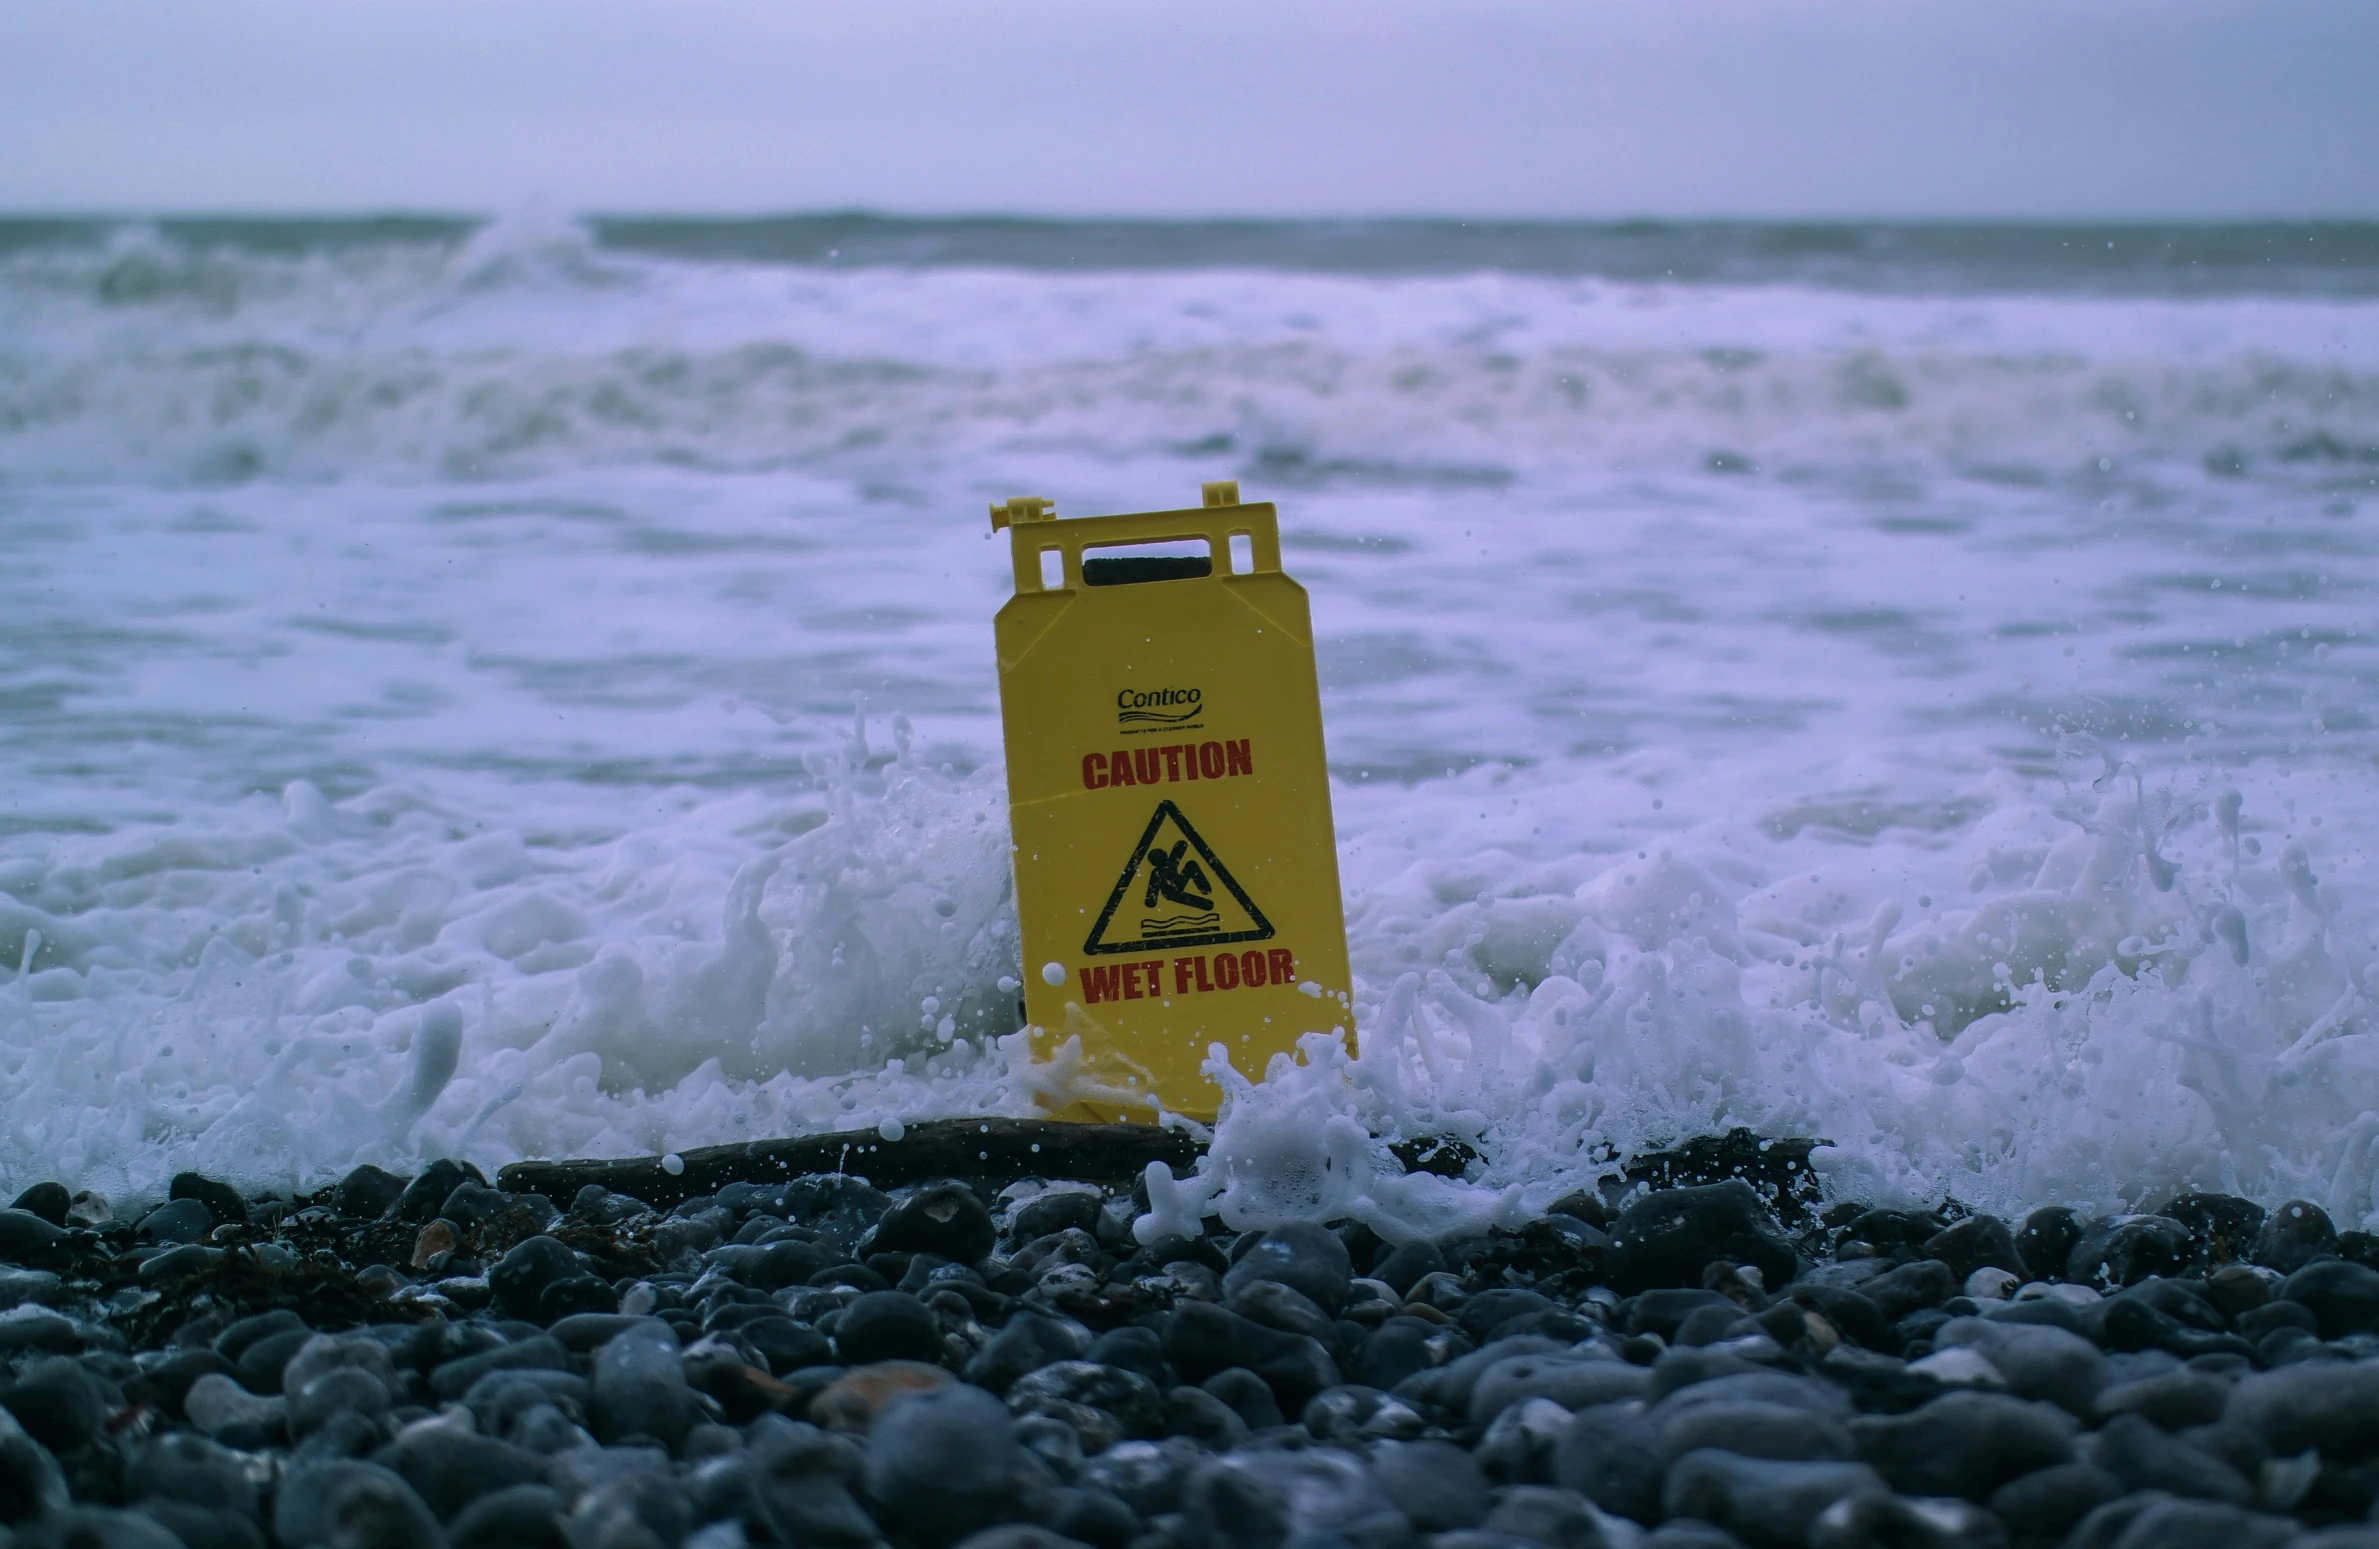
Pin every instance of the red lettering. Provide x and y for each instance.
(1099, 984)
(1119, 768)
(1181, 974)
(1239, 757)
(1155, 969)
(1172, 763)
(1131, 981)
(1251, 969)
(1210, 760)
(1144, 765)
(1283, 963)
(1094, 771)
(1189, 761)
(1201, 967)
(1226, 971)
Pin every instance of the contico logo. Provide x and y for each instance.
(1157, 706)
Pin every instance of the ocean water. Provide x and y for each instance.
(525, 688)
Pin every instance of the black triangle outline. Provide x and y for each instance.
(1093, 947)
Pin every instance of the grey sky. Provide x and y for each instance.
(2126, 108)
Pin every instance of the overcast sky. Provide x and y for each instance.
(1595, 108)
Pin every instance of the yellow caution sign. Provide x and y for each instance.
(1176, 869)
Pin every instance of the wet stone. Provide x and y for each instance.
(946, 1219)
(222, 1201)
(2047, 1239)
(1665, 1238)
(2343, 1297)
(1307, 1259)
(1978, 1242)
(2293, 1235)
(49, 1201)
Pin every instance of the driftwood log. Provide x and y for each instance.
(940, 1148)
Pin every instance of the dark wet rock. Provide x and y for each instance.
(639, 1389)
(31, 1483)
(26, 1238)
(420, 1201)
(1307, 1259)
(854, 1398)
(2330, 1406)
(1665, 1238)
(1548, 1515)
(2293, 1235)
(2343, 1297)
(367, 1192)
(1125, 1403)
(944, 1464)
(1395, 1350)
(340, 1503)
(195, 1527)
(2145, 1458)
(1978, 1242)
(96, 1527)
(2038, 1361)
(1030, 1339)
(887, 1326)
(1664, 1310)
(1754, 1429)
(1054, 1210)
(2046, 1240)
(1852, 1313)
(1020, 1535)
(180, 1466)
(2044, 1505)
(525, 1516)
(2152, 1520)
(223, 1201)
(259, 1363)
(1404, 1266)
(452, 1379)
(450, 1467)
(1611, 1455)
(2223, 1226)
(1763, 1503)
(1686, 1533)
(1203, 1418)
(1146, 1476)
(1134, 1349)
(178, 1220)
(234, 1416)
(802, 1478)
(2172, 1401)
(1435, 1484)
(1964, 1444)
(522, 1275)
(49, 1201)
(2238, 1288)
(2129, 1249)
(1569, 1380)
(946, 1219)
(1272, 1498)
(1490, 1310)
(1205, 1339)
(1092, 1517)
(1912, 1287)
(59, 1403)
(2261, 1322)
(1282, 1307)
(1248, 1395)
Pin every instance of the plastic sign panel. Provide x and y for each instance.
(1176, 870)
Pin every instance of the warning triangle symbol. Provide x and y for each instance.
(1175, 892)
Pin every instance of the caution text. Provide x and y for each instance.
(1167, 765)
(1145, 980)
